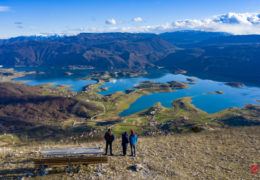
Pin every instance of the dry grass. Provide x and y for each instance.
(222, 154)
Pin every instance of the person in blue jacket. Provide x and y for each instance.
(125, 142)
(133, 141)
(109, 137)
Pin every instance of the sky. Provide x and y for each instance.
(47, 17)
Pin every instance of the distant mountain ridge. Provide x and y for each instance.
(188, 38)
(230, 40)
(21, 39)
(108, 50)
(205, 54)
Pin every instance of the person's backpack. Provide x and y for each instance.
(125, 138)
(109, 137)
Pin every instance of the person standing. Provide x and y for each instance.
(133, 141)
(109, 137)
(125, 142)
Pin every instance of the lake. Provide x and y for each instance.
(57, 76)
(232, 97)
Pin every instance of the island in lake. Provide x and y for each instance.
(235, 84)
(191, 79)
(215, 92)
(180, 71)
(110, 75)
(68, 73)
(9, 74)
(151, 86)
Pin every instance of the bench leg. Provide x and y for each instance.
(41, 170)
(101, 166)
(69, 168)
(77, 168)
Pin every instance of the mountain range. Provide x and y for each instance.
(215, 55)
(102, 51)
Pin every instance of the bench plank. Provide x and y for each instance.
(72, 151)
(71, 160)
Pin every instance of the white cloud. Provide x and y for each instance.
(111, 21)
(236, 18)
(235, 23)
(137, 19)
(4, 8)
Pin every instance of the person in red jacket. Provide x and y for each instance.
(133, 141)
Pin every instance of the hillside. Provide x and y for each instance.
(24, 109)
(221, 154)
(101, 51)
(226, 62)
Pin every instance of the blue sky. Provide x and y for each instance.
(28, 17)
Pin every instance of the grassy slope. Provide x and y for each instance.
(182, 112)
(181, 117)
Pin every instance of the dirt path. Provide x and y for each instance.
(104, 111)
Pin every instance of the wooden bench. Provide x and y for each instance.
(70, 160)
(69, 157)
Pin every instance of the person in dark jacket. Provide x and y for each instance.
(109, 137)
(133, 141)
(125, 142)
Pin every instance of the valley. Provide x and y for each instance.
(45, 111)
(187, 98)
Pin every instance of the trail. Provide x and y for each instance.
(104, 111)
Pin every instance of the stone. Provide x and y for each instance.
(98, 174)
(138, 167)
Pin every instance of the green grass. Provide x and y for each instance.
(9, 139)
(181, 112)
(6, 138)
(120, 128)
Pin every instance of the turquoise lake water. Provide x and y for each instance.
(56, 76)
(232, 97)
